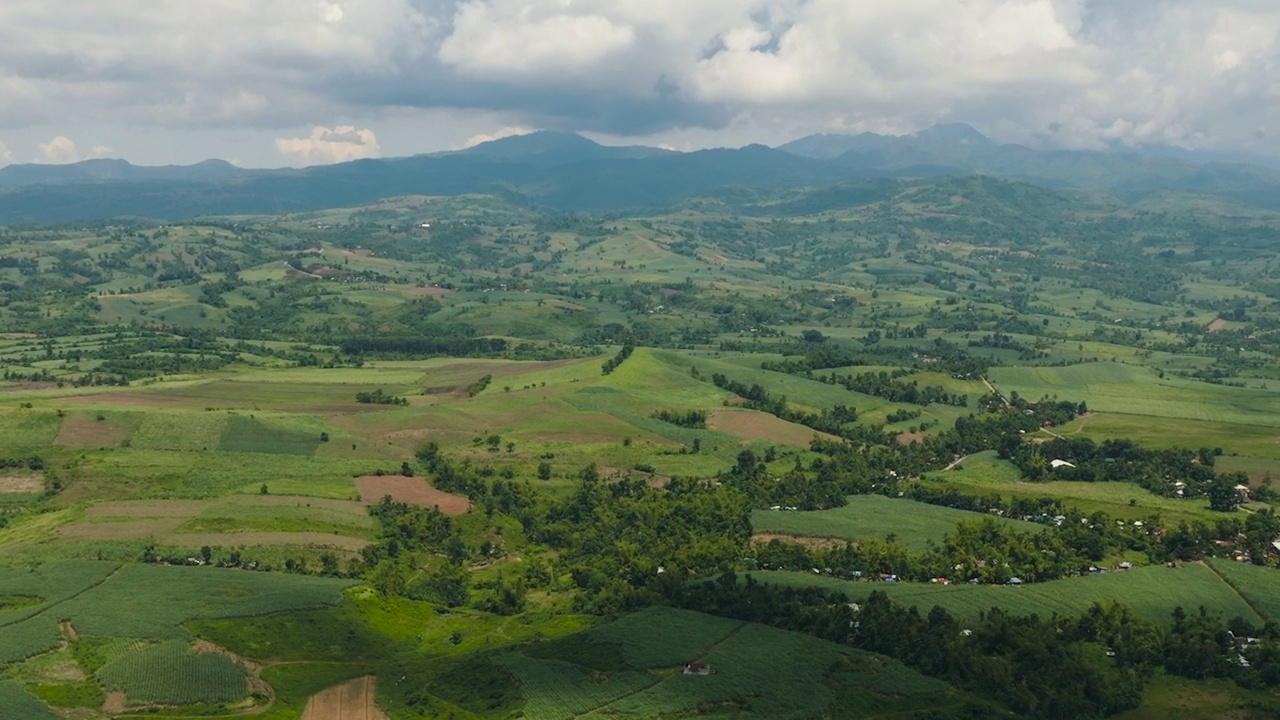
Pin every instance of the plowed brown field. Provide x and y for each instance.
(352, 700)
(410, 490)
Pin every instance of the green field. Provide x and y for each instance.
(985, 473)
(633, 668)
(913, 524)
(18, 704)
(1152, 592)
(181, 442)
(170, 673)
(104, 600)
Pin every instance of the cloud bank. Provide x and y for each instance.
(1076, 73)
(330, 145)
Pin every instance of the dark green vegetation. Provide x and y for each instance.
(479, 452)
(569, 173)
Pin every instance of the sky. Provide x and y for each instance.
(303, 82)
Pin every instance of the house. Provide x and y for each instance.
(697, 668)
(1126, 565)
(1055, 464)
(1242, 491)
(1014, 581)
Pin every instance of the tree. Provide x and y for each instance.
(544, 471)
(206, 553)
(1222, 493)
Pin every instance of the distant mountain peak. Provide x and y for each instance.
(955, 134)
(540, 141)
(825, 146)
(553, 147)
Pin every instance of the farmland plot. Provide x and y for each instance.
(171, 673)
(664, 637)
(757, 672)
(556, 689)
(18, 704)
(1152, 592)
(151, 601)
(875, 516)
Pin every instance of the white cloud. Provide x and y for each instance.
(330, 145)
(217, 62)
(516, 40)
(98, 151)
(1069, 72)
(504, 132)
(59, 151)
(6, 157)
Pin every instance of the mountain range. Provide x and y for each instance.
(570, 173)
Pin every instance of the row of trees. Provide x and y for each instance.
(612, 363)
(832, 420)
(378, 397)
(890, 387)
(695, 419)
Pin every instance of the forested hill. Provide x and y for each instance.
(568, 173)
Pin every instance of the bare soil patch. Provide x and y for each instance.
(754, 425)
(907, 438)
(21, 484)
(1217, 325)
(79, 431)
(115, 703)
(435, 292)
(811, 543)
(352, 700)
(411, 490)
(292, 273)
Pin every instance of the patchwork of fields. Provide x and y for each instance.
(198, 424)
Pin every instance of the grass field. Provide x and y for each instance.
(1135, 390)
(1169, 698)
(913, 524)
(985, 473)
(1152, 592)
